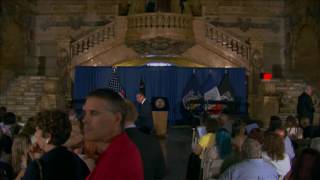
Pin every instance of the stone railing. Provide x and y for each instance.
(160, 33)
(93, 39)
(228, 41)
(159, 20)
(167, 25)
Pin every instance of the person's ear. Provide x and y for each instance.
(118, 117)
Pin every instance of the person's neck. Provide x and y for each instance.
(49, 147)
(103, 145)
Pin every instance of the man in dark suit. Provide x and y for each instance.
(305, 108)
(145, 120)
(149, 147)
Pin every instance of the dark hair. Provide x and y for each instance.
(116, 102)
(306, 165)
(274, 146)
(275, 123)
(3, 109)
(56, 123)
(211, 125)
(292, 120)
(9, 118)
(29, 128)
(141, 93)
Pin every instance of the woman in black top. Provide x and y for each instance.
(53, 128)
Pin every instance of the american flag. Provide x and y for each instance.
(114, 83)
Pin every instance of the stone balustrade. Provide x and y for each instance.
(92, 39)
(166, 25)
(160, 33)
(159, 20)
(225, 40)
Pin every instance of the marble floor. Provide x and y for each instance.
(177, 148)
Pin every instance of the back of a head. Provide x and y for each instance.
(292, 121)
(275, 122)
(113, 99)
(3, 109)
(306, 166)
(251, 149)
(9, 118)
(274, 146)
(132, 113)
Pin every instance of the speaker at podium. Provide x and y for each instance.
(160, 108)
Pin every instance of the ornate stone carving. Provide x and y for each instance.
(74, 22)
(160, 46)
(245, 24)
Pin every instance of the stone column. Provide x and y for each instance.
(64, 63)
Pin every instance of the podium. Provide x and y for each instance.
(160, 107)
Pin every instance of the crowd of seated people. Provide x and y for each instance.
(250, 151)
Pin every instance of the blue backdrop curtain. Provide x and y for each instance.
(168, 81)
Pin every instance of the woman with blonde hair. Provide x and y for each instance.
(20, 158)
(273, 151)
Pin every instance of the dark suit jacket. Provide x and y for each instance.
(151, 154)
(145, 119)
(305, 107)
(59, 163)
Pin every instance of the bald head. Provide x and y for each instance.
(309, 90)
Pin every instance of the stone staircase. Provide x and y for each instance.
(155, 33)
(23, 95)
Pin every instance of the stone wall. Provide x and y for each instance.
(303, 37)
(59, 21)
(259, 22)
(16, 35)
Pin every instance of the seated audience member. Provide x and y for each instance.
(306, 167)
(253, 167)
(288, 146)
(293, 130)
(273, 152)
(19, 157)
(119, 158)
(150, 149)
(53, 128)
